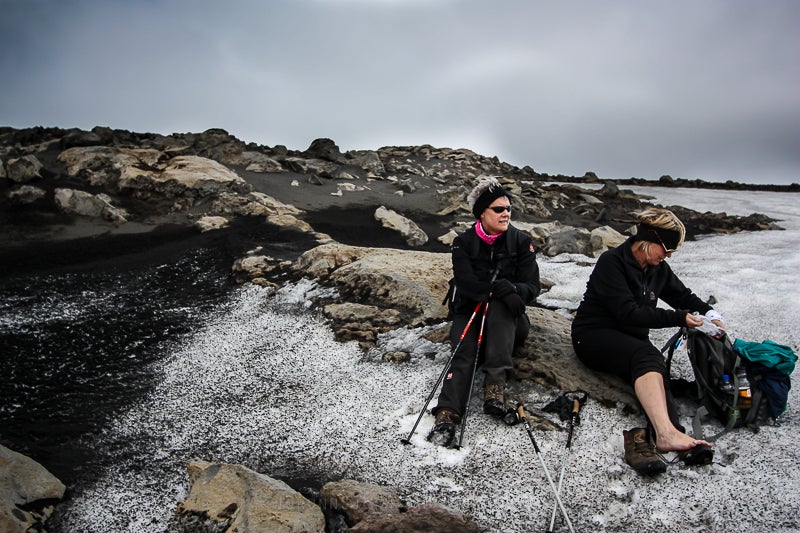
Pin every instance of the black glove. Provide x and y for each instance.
(502, 288)
(514, 303)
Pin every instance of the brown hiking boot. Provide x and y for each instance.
(640, 453)
(493, 400)
(444, 427)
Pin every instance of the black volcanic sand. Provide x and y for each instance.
(139, 290)
(350, 218)
(151, 245)
(356, 225)
(44, 240)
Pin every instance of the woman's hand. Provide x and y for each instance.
(719, 323)
(693, 321)
(502, 288)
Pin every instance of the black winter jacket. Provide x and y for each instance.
(622, 296)
(474, 262)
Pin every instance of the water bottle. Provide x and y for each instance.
(745, 395)
(729, 391)
(727, 384)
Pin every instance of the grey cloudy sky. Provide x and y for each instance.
(642, 88)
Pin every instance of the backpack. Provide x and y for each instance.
(773, 363)
(712, 358)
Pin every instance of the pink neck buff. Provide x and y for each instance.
(485, 237)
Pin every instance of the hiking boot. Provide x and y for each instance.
(493, 400)
(640, 453)
(444, 428)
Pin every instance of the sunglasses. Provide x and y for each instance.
(500, 208)
(664, 246)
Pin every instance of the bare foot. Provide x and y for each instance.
(676, 441)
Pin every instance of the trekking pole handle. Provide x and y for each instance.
(524, 418)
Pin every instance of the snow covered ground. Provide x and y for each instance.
(262, 383)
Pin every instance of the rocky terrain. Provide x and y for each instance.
(74, 198)
(374, 225)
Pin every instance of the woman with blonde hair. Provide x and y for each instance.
(611, 330)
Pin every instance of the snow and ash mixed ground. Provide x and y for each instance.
(262, 383)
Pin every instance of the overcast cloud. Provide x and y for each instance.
(637, 88)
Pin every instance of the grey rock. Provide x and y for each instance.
(239, 499)
(82, 203)
(26, 194)
(27, 493)
(356, 500)
(24, 169)
(422, 519)
(412, 233)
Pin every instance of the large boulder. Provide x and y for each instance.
(393, 220)
(150, 172)
(547, 358)
(226, 497)
(260, 163)
(106, 166)
(413, 282)
(27, 493)
(356, 500)
(368, 160)
(324, 149)
(201, 176)
(422, 519)
(86, 204)
(24, 169)
(26, 194)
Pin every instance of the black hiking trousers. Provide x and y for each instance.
(625, 356)
(502, 332)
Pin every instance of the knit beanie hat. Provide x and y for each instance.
(487, 191)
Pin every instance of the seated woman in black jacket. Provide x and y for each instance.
(493, 263)
(610, 333)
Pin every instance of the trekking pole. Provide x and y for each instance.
(524, 418)
(574, 420)
(475, 362)
(472, 380)
(407, 440)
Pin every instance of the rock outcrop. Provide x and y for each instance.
(150, 179)
(225, 497)
(28, 493)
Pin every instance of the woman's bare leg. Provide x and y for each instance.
(650, 390)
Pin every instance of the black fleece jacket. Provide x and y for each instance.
(474, 261)
(622, 296)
